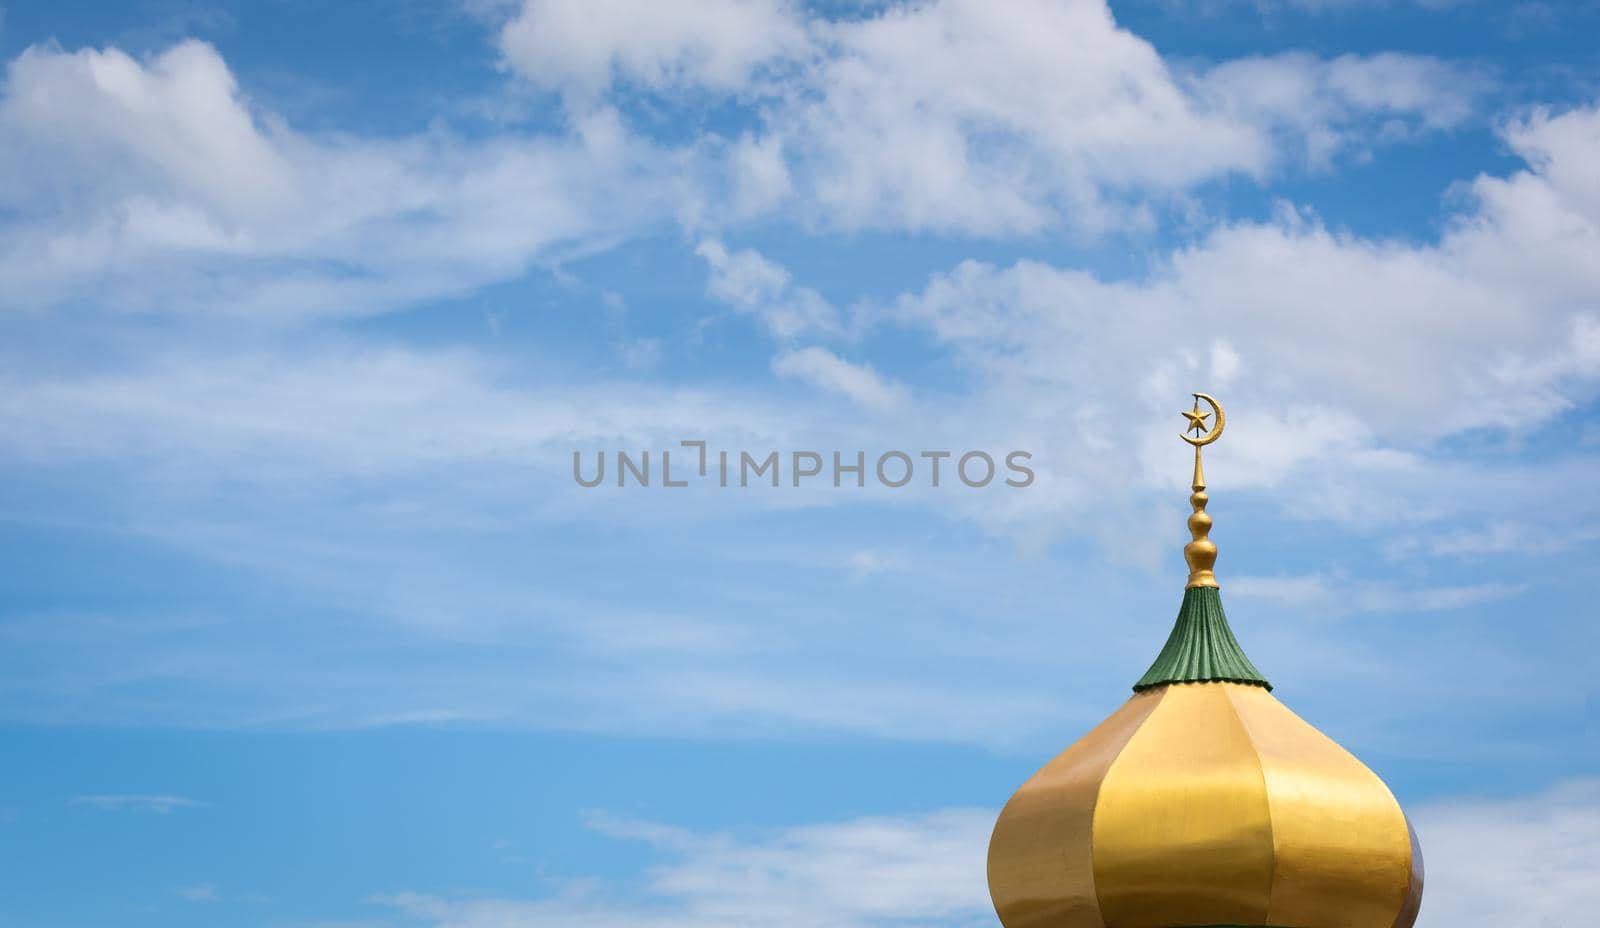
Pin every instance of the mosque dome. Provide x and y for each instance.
(1204, 802)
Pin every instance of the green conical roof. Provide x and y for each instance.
(1201, 647)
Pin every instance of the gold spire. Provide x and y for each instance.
(1201, 553)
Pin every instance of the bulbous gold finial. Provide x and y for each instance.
(1201, 553)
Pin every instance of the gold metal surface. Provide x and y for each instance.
(1197, 422)
(1040, 875)
(1182, 827)
(1413, 903)
(1201, 553)
(1341, 846)
(1204, 804)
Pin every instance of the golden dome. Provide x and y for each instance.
(1203, 802)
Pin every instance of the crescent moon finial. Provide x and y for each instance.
(1197, 421)
(1201, 553)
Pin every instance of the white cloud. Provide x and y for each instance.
(920, 870)
(871, 561)
(1500, 537)
(137, 802)
(753, 284)
(581, 46)
(1322, 106)
(760, 176)
(1346, 595)
(827, 371)
(1349, 360)
(177, 120)
(296, 415)
(155, 185)
(200, 892)
(943, 117)
(1523, 860)
(158, 185)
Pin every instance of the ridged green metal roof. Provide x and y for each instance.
(1201, 647)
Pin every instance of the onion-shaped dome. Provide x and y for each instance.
(1203, 802)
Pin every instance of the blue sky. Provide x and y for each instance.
(307, 307)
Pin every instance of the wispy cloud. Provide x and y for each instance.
(1523, 860)
(906, 872)
(754, 284)
(829, 372)
(200, 892)
(152, 185)
(136, 802)
(871, 561)
(1518, 860)
(1322, 592)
